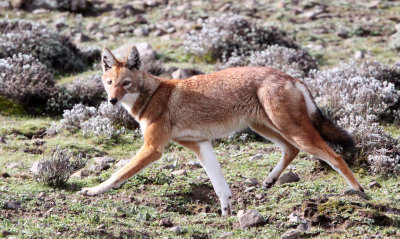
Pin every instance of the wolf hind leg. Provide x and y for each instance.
(289, 152)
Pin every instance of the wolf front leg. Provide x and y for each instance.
(154, 141)
(205, 153)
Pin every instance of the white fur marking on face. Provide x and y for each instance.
(311, 107)
(129, 100)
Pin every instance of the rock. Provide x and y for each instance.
(5, 5)
(41, 195)
(168, 166)
(343, 32)
(101, 228)
(114, 29)
(251, 181)
(354, 192)
(80, 174)
(16, 3)
(139, 19)
(92, 26)
(40, 11)
(99, 36)
(260, 196)
(257, 156)
(291, 234)
(141, 32)
(165, 222)
(158, 33)
(251, 218)
(313, 14)
(104, 160)
(98, 167)
(374, 184)
(12, 205)
(5, 175)
(13, 165)
(146, 52)
(80, 37)
(179, 172)
(303, 227)
(227, 235)
(249, 189)
(288, 177)
(359, 55)
(177, 230)
(60, 23)
(185, 73)
(194, 163)
(320, 220)
(122, 163)
(3, 140)
(293, 217)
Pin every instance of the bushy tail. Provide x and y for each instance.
(332, 133)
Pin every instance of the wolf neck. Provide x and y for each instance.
(136, 103)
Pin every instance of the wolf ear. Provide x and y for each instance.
(133, 60)
(107, 60)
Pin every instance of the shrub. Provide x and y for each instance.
(26, 81)
(53, 50)
(55, 169)
(95, 122)
(88, 91)
(296, 63)
(233, 35)
(359, 97)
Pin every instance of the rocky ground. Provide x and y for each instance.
(173, 198)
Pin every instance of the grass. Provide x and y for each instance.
(189, 201)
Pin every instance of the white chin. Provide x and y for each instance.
(128, 101)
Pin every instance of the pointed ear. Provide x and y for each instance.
(133, 60)
(107, 60)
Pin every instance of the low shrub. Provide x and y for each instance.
(56, 168)
(26, 81)
(87, 90)
(55, 51)
(229, 35)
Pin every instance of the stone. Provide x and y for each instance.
(99, 36)
(104, 160)
(80, 37)
(5, 5)
(251, 218)
(98, 167)
(146, 52)
(101, 228)
(92, 26)
(80, 174)
(12, 205)
(374, 184)
(122, 163)
(168, 166)
(185, 73)
(179, 172)
(260, 196)
(157, 33)
(41, 195)
(343, 32)
(252, 181)
(358, 55)
(354, 192)
(227, 235)
(141, 32)
(257, 156)
(139, 19)
(288, 177)
(176, 230)
(320, 220)
(16, 3)
(114, 29)
(13, 165)
(249, 189)
(293, 217)
(60, 23)
(194, 163)
(165, 222)
(39, 11)
(291, 234)
(303, 227)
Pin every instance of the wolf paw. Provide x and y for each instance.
(267, 184)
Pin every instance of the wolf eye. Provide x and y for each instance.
(109, 82)
(126, 83)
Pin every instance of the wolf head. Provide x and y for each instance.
(121, 79)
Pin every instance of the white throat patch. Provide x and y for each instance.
(128, 101)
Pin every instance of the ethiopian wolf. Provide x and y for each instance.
(193, 111)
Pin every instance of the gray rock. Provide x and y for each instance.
(60, 23)
(303, 227)
(16, 3)
(168, 166)
(194, 163)
(98, 167)
(141, 32)
(185, 73)
(251, 218)
(122, 163)
(104, 160)
(343, 32)
(288, 177)
(249, 189)
(13, 165)
(374, 184)
(359, 55)
(99, 36)
(252, 181)
(92, 26)
(12, 205)
(39, 11)
(146, 52)
(5, 5)
(80, 174)
(291, 234)
(114, 29)
(293, 217)
(179, 172)
(177, 230)
(354, 192)
(260, 196)
(227, 235)
(158, 33)
(165, 222)
(257, 156)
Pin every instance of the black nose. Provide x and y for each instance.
(113, 101)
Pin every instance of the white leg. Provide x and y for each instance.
(209, 161)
